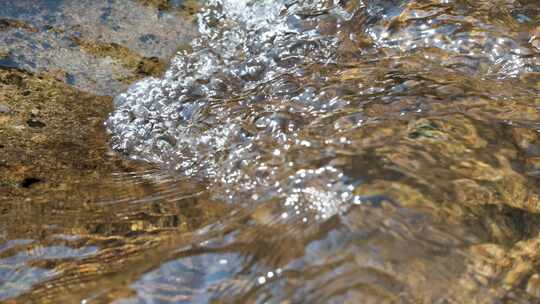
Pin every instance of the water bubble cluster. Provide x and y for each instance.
(265, 104)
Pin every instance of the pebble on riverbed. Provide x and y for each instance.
(533, 286)
(4, 109)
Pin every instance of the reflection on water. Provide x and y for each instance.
(182, 280)
(17, 274)
(312, 151)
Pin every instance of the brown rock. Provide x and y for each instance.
(533, 285)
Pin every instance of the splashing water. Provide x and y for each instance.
(369, 113)
(242, 109)
(202, 121)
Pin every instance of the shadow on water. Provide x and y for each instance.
(295, 152)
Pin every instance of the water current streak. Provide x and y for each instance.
(265, 106)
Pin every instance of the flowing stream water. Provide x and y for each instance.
(354, 151)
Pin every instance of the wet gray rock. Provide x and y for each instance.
(100, 51)
(4, 109)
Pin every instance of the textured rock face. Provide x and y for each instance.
(38, 139)
(100, 51)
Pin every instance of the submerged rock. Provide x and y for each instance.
(385, 124)
(48, 125)
(4, 109)
(295, 151)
